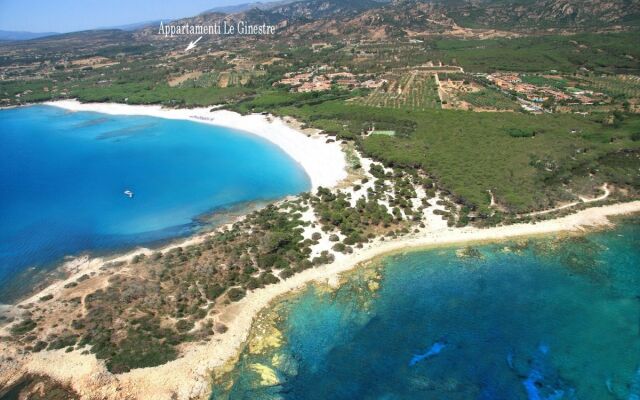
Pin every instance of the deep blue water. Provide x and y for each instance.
(540, 319)
(62, 178)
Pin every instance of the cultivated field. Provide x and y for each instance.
(222, 79)
(414, 90)
(618, 85)
(489, 99)
(462, 93)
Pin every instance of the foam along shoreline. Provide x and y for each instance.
(323, 162)
(189, 376)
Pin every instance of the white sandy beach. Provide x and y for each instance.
(323, 162)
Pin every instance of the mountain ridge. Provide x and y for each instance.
(378, 19)
(23, 35)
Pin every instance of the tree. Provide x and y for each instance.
(236, 293)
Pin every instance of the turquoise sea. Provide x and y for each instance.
(546, 318)
(63, 177)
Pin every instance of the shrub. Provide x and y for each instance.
(214, 291)
(184, 325)
(286, 273)
(235, 294)
(521, 133)
(253, 283)
(23, 327)
(267, 278)
(63, 341)
(137, 258)
(39, 346)
(139, 350)
(339, 247)
(221, 328)
(76, 324)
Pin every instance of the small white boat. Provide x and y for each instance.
(128, 193)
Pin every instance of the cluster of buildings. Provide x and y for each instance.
(317, 81)
(539, 94)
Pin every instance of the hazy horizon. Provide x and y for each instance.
(63, 16)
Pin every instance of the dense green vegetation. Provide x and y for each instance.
(160, 94)
(184, 285)
(31, 91)
(613, 52)
(135, 82)
(470, 153)
(273, 99)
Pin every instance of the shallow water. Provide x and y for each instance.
(63, 177)
(539, 319)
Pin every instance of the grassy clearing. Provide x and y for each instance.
(544, 81)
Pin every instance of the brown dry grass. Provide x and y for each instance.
(177, 80)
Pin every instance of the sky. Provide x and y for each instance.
(75, 15)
